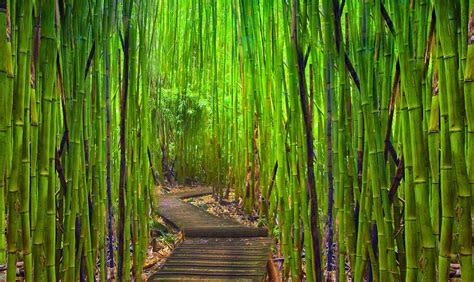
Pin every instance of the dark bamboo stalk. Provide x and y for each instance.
(311, 185)
(122, 245)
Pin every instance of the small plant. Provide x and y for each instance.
(168, 238)
(155, 225)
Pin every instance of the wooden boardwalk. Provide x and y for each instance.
(214, 249)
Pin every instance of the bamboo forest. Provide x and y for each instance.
(236, 140)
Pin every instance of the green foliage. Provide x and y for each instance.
(351, 120)
(168, 238)
(203, 206)
(361, 80)
(63, 77)
(156, 225)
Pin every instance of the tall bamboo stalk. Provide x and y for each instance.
(6, 75)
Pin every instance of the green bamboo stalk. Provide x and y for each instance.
(420, 173)
(446, 166)
(447, 16)
(17, 188)
(6, 75)
(48, 71)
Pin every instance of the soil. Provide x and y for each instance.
(160, 247)
(225, 209)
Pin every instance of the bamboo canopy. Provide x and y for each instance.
(345, 126)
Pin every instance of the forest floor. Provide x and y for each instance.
(164, 238)
(225, 209)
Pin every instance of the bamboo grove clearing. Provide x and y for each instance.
(346, 126)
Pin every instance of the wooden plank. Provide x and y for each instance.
(222, 256)
(210, 273)
(253, 241)
(221, 247)
(213, 259)
(213, 270)
(203, 191)
(224, 231)
(203, 278)
(218, 251)
(240, 263)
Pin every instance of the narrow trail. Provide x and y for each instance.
(214, 248)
